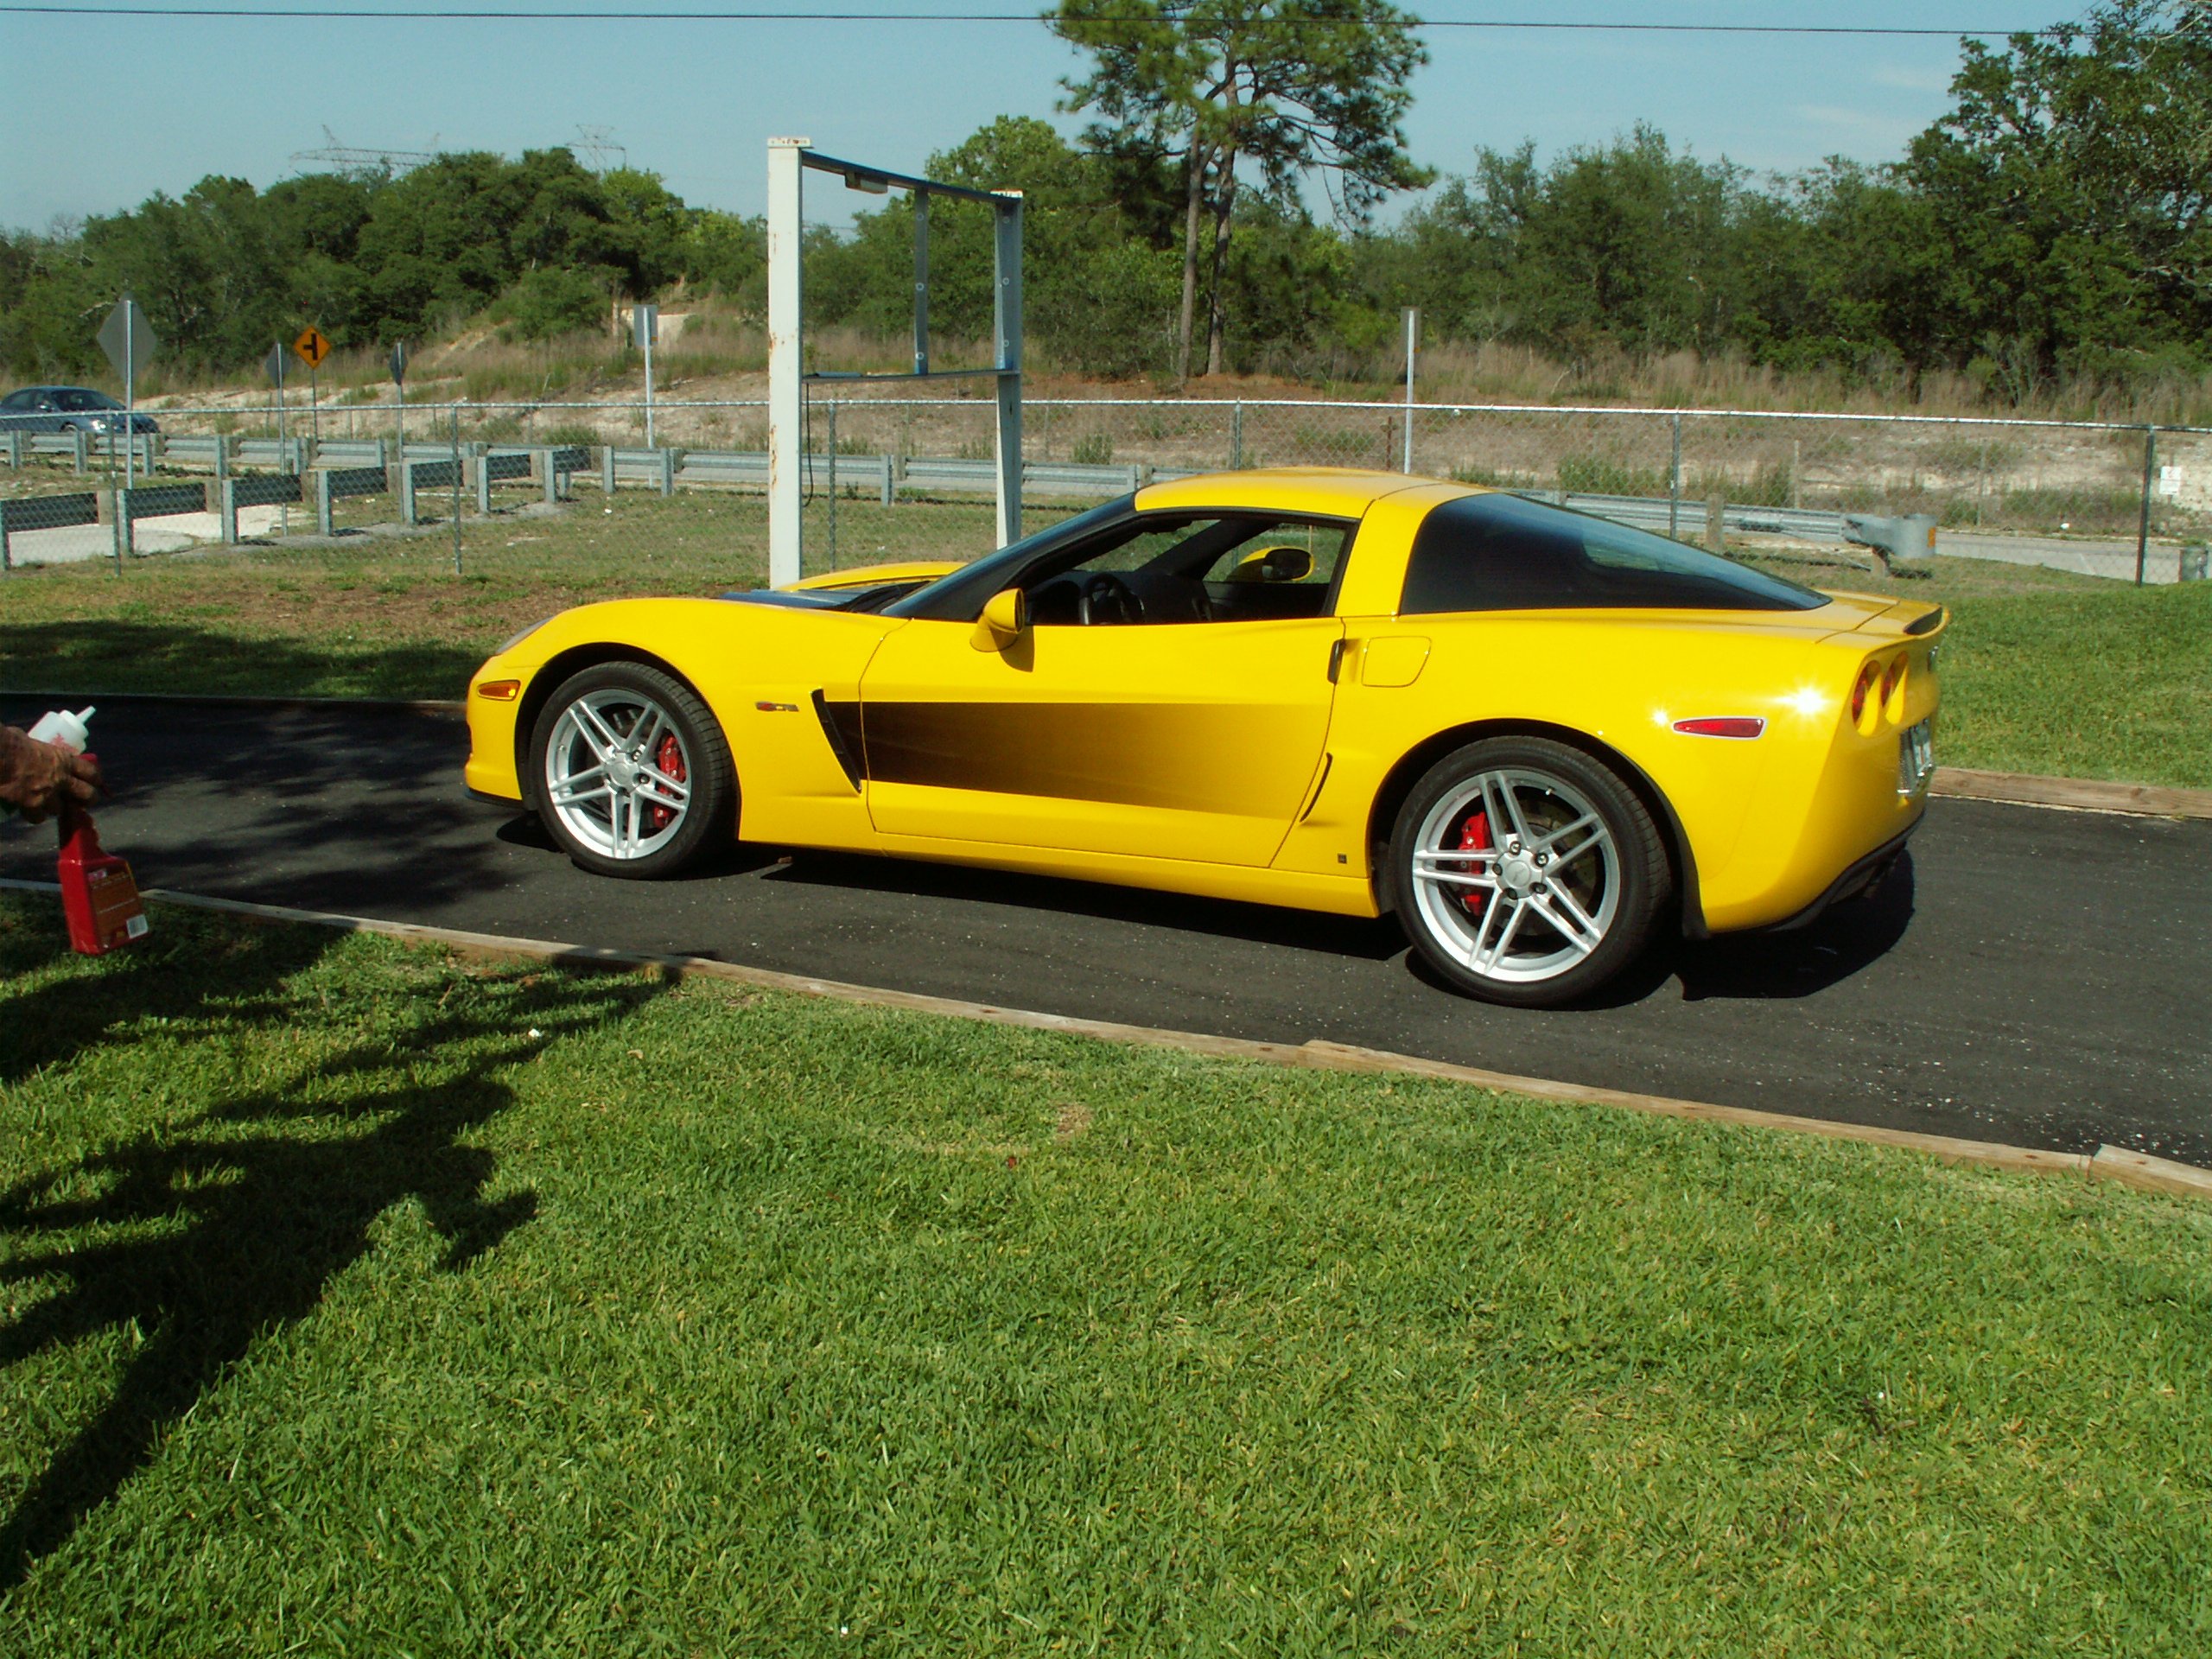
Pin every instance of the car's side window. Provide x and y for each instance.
(1499, 552)
(1189, 568)
(16, 400)
(1288, 554)
(1149, 544)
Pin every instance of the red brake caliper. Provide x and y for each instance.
(1475, 838)
(669, 757)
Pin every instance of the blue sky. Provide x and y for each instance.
(97, 112)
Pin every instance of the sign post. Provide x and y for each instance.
(645, 328)
(313, 348)
(128, 342)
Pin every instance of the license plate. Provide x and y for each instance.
(1915, 757)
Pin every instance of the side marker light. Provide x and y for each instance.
(1738, 725)
(500, 690)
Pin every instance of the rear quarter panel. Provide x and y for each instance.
(1770, 821)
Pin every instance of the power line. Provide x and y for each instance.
(536, 16)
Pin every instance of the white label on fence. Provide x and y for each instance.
(2169, 481)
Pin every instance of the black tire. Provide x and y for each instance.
(664, 839)
(1536, 936)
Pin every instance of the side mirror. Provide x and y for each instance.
(1273, 564)
(1003, 622)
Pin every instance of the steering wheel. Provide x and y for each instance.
(1105, 598)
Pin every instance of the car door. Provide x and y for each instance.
(1188, 725)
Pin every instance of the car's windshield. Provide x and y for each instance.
(71, 397)
(961, 596)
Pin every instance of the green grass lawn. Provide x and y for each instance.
(363, 1299)
(2045, 672)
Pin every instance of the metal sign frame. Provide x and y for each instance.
(129, 340)
(788, 160)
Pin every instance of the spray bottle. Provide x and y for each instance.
(98, 898)
(62, 729)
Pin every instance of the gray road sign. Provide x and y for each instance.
(399, 364)
(273, 365)
(127, 338)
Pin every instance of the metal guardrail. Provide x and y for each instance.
(44, 513)
(261, 490)
(1688, 517)
(272, 454)
(161, 500)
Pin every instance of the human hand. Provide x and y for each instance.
(40, 777)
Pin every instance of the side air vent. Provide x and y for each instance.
(841, 724)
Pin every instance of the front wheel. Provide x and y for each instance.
(1525, 872)
(630, 771)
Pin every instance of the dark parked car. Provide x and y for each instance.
(66, 409)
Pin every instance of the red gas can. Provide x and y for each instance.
(98, 895)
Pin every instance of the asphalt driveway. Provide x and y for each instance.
(2028, 975)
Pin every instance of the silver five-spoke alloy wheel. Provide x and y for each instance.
(616, 774)
(1527, 871)
(1517, 875)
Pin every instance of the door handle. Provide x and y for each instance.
(1336, 649)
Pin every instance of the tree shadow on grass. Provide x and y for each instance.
(103, 654)
(260, 1199)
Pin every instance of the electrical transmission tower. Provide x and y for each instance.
(596, 150)
(338, 156)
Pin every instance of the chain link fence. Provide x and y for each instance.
(2125, 502)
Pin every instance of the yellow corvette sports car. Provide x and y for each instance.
(1535, 736)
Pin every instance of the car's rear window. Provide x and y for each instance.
(1501, 552)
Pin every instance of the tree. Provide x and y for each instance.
(1289, 86)
(1097, 294)
(2075, 173)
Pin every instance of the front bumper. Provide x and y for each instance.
(491, 773)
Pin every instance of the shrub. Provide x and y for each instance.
(548, 301)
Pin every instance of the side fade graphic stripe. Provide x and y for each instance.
(1240, 759)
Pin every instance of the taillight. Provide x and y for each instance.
(1859, 692)
(1889, 679)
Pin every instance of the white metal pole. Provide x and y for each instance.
(1412, 329)
(785, 389)
(648, 329)
(1008, 309)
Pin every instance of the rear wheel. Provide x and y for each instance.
(630, 771)
(1525, 872)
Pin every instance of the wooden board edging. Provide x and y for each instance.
(2080, 794)
(2149, 1174)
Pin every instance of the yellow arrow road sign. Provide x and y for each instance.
(312, 347)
